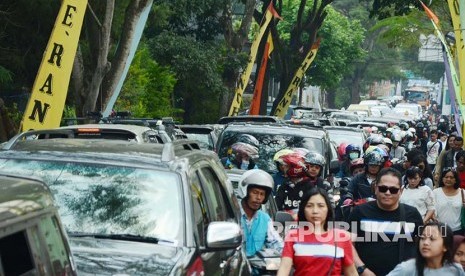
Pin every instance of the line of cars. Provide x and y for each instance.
(133, 200)
(135, 208)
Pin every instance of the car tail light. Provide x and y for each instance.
(88, 130)
(196, 268)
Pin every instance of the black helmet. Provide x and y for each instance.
(373, 158)
(315, 158)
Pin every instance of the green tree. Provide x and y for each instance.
(341, 39)
(147, 90)
(198, 66)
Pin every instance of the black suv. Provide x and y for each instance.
(274, 137)
(135, 208)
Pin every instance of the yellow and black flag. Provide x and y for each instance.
(45, 106)
(237, 100)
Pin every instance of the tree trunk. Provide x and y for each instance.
(132, 16)
(102, 65)
(236, 42)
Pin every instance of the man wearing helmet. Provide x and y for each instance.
(241, 157)
(256, 186)
(352, 152)
(360, 186)
(279, 177)
(397, 151)
(303, 173)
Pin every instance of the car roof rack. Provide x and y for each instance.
(170, 149)
(48, 133)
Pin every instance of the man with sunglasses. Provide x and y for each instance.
(385, 228)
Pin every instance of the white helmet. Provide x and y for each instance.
(396, 137)
(412, 130)
(387, 141)
(255, 178)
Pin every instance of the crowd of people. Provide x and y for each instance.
(401, 202)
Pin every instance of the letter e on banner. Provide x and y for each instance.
(46, 104)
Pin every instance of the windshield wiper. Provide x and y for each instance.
(122, 237)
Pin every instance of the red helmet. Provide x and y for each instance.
(296, 165)
(341, 151)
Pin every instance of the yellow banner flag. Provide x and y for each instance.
(237, 100)
(283, 105)
(45, 106)
(459, 44)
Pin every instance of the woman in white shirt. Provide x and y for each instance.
(448, 200)
(417, 194)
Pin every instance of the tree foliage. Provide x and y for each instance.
(198, 66)
(147, 90)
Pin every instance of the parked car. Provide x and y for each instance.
(345, 115)
(348, 135)
(250, 118)
(408, 109)
(32, 239)
(206, 135)
(138, 208)
(274, 137)
(368, 124)
(131, 133)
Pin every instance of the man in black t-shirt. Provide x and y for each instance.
(385, 228)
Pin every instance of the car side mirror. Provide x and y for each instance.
(223, 235)
(334, 166)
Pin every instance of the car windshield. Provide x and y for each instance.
(270, 143)
(348, 137)
(416, 95)
(110, 200)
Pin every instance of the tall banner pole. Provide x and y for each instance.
(454, 78)
(284, 103)
(455, 12)
(47, 101)
(237, 100)
(257, 93)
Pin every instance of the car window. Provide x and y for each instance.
(105, 199)
(215, 196)
(16, 257)
(270, 143)
(200, 208)
(348, 137)
(205, 140)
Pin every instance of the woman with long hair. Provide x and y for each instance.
(434, 254)
(448, 200)
(315, 247)
(427, 176)
(418, 195)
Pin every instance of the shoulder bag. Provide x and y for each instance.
(462, 211)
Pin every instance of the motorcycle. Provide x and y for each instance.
(267, 261)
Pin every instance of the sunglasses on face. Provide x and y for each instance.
(392, 190)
